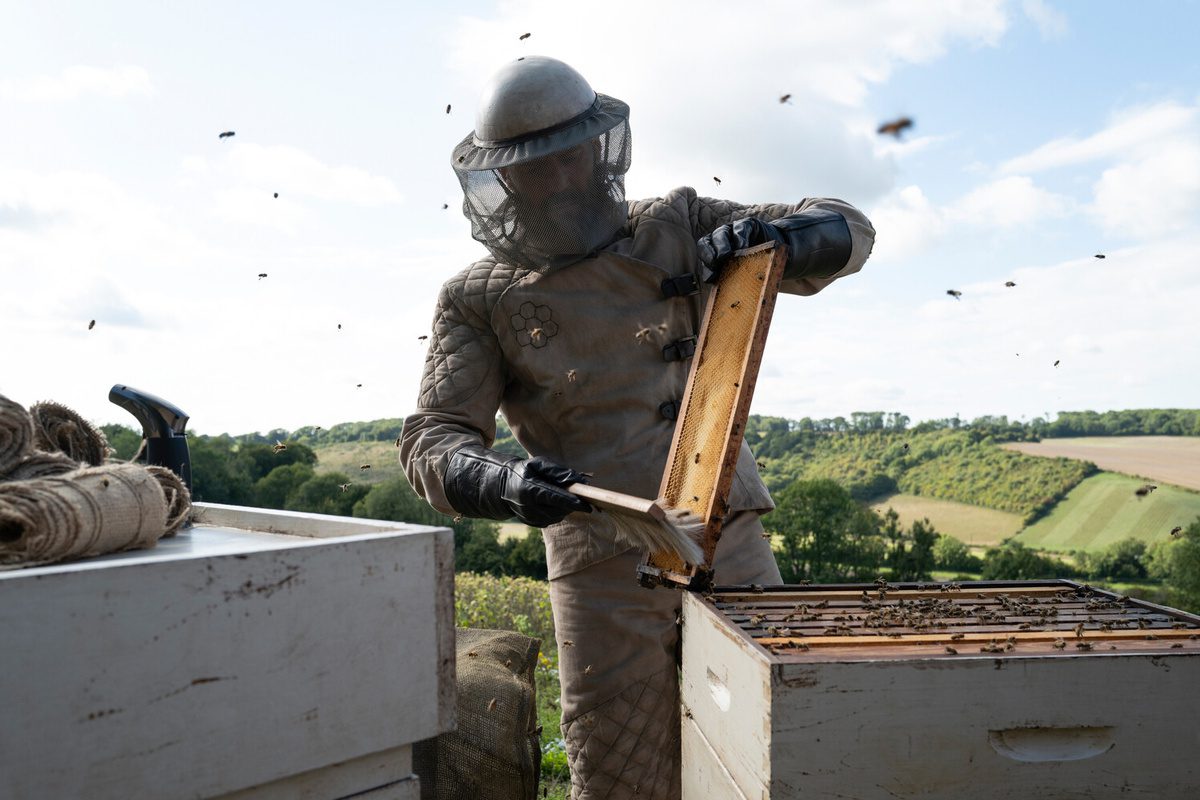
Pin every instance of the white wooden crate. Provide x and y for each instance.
(904, 718)
(264, 653)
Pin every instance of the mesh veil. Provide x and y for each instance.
(555, 207)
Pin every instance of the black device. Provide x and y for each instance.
(162, 426)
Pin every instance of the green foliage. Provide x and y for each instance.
(1177, 564)
(218, 475)
(323, 494)
(123, 440)
(273, 489)
(826, 535)
(952, 555)
(1013, 561)
(1125, 560)
(1130, 422)
(912, 558)
(509, 604)
(260, 459)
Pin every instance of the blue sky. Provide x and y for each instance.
(1045, 132)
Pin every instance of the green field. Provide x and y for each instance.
(348, 457)
(972, 525)
(1103, 509)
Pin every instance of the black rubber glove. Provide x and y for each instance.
(818, 242)
(483, 483)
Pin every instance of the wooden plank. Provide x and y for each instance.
(708, 436)
(980, 638)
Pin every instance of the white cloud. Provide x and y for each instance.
(73, 82)
(1051, 23)
(1133, 132)
(266, 169)
(1156, 194)
(1117, 349)
(717, 111)
(906, 224)
(1007, 202)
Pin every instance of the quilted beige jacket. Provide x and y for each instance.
(576, 359)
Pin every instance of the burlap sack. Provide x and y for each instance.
(495, 753)
(57, 428)
(177, 496)
(16, 434)
(89, 512)
(40, 465)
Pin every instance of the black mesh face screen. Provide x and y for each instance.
(554, 209)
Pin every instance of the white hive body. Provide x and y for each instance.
(781, 701)
(258, 654)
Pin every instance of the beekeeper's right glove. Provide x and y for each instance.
(484, 483)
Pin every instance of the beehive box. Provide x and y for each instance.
(258, 654)
(983, 690)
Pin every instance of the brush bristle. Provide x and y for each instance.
(678, 534)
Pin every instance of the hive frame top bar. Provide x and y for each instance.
(990, 619)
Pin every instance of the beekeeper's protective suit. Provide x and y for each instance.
(579, 328)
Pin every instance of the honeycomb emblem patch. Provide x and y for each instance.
(534, 325)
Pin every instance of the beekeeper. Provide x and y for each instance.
(579, 327)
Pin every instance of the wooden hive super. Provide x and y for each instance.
(984, 690)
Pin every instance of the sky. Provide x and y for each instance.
(1044, 133)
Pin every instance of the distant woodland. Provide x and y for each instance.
(822, 474)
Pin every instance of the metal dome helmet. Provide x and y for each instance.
(543, 173)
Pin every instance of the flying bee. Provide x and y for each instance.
(718, 180)
(785, 98)
(571, 375)
(422, 337)
(536, 334)
(568, 643)
(524, 36)
(227, 134)
(343, 486)
(445, 206)
(262, 275)
(1178, 529)
(92, 324)
(735, 304)
(472, 654)
(1009, 284)
(363, 467)
(1099, 255)
(358, 386)
(279, 447)
(642, 335)
(1057, 361)
(587, 670)
(760, 465)
(955, 293)
(895, 127)
(447, 108)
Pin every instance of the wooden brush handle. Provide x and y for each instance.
(606, 498)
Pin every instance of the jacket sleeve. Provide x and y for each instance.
(708, 214)
(461, 387)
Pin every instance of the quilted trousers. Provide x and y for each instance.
(618, 666)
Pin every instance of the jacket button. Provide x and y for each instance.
(669, 409)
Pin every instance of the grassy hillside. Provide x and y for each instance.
(969, 524)
(1171, 459)
(1103, 509)
(348, 457)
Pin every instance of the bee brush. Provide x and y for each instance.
(650, 525)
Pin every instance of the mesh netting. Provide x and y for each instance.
(495, 752)
(554, 209)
